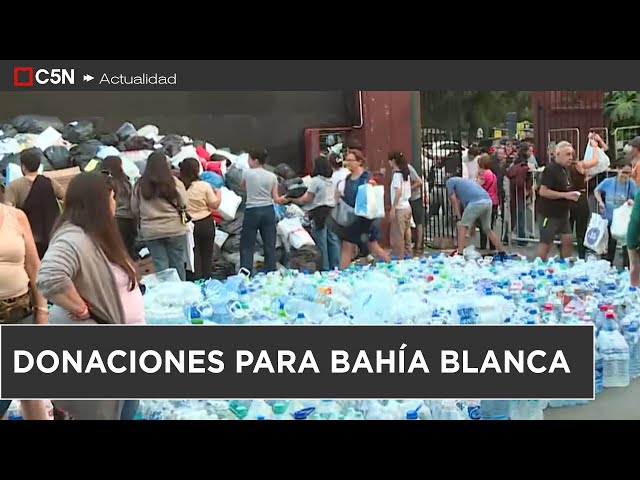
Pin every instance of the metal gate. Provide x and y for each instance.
(442, 153)
(558, 135)
(622, 136)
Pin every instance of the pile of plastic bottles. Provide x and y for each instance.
(433, 290)
(342, 410)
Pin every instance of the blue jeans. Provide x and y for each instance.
(262, 219)
(169, 252)
(329, 245)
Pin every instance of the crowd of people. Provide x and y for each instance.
(563, 197)
(69, 255)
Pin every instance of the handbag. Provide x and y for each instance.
(343, 213)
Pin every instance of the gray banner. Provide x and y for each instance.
(264, 343)
(20, 75)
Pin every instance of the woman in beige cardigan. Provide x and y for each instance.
(78, 273)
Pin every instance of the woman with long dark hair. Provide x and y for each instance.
(121, 183)
(400, 212)
(318, 202)
(359, 231)
(160, 202)
(202, 200)
(88, 275)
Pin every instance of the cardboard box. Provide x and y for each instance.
(63, 177)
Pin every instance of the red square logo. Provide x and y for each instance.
(27, 76)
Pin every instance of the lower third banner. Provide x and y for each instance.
(302, 362)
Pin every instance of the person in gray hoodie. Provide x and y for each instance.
(87, 274)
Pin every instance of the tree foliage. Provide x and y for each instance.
(622, 108)
(470, 110)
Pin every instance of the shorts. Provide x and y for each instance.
(551, 227)
(360, 232)
(418, 211)
(477, 212)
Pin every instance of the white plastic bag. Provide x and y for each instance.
(603, 161)
(220, 237)
(190, 246)
(620, 223)
(106, 151)
(229, 203)
(184, 153)
(597, 236)
(48, 138)
(150, 131)
(293, 233)
(370, 201)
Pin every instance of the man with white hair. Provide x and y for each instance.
(554, 201)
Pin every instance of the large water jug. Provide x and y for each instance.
(615, 354)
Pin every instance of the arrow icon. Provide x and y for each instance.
(87, 78)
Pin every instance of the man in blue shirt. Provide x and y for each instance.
(616, 191)
(469, 196)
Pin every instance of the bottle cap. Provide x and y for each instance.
(610, 314)
(412, 415)
(241, 411)
(547, 307)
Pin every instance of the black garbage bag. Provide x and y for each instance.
(307, 258)
(7, 159)
(136, 143)
(232, 244)
(222, 269)
(58, 157)
(8, 130)
(109, 139)
(285, 171)
(125, 131)
(233, 179)
(295, 188)
(282, 186)
(233, 227)
(36, 123)
(84, 152)
(171, 144)
(78, 132)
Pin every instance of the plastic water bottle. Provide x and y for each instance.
(527, 410)
(615, 354)
(494, 409)
(599, 367)
(630, 327)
